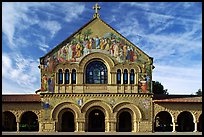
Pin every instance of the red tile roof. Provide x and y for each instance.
(21, 98)
(177, 98)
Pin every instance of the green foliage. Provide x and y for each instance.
(87, 33)
(199, 92)
(158, 88)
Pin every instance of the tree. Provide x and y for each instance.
(87, 33)
(199, 92)
(158, 88)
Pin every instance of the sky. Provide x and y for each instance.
(170, 32)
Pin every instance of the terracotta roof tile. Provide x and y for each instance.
(21, 98)
(177, 98)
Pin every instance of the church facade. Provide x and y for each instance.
(98, 81)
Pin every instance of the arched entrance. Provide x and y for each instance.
(67, 122)
(200, 124)
(163, 122)
(96, 121)
(29, 122)
(185, 122)
(8, 121)
(124, 123)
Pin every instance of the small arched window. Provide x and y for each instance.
(60, 78)
(118, 76)
(66, 76)
(132, 76)
(73, 76)
(125, 77)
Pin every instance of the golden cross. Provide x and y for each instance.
(96, 8)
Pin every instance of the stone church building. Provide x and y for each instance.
(98, 81)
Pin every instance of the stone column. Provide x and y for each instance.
(122, 78)
(111, 125)
(70, 77)
(135, 78)
(63, 77)
(174, 126)
(56, 78)
(195, 126)
(40, 127)
(76, 76)
(79, 78)
(113, 78)
(18, 126)
(136, 81)
(56, 83)
(62, 86)
(128, 77)
(106, 125)
(135, 125)
(80, 126)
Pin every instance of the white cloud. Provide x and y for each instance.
(8, 21)
(130, 27)
(14, 88)
(179, 80)
(44, 48)
(52, 26)
(143, 5)
(180, 44)
(20, 70)
(72, 11)
(187, 5)
(6, 64)
(17, 17)
(14, 17)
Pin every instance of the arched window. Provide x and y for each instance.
(125, 77)
(60, 78)
(132, 76)
(73, 76)
(96, 73)
(66, 76)
(118, 76)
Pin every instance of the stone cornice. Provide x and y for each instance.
(55, 95)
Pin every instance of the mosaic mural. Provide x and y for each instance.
(83, 44)
(145, 79)
(48, 83)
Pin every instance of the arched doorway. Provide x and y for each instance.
(29, 122)
(8, 121)
(200, 124)
(67, 122)
(185, 122)
(124, 123)
(163, 122)
(96, 121)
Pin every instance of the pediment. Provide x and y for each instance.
(96, 36)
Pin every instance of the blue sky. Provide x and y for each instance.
(171, 33)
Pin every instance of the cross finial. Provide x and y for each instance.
(96, 7)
